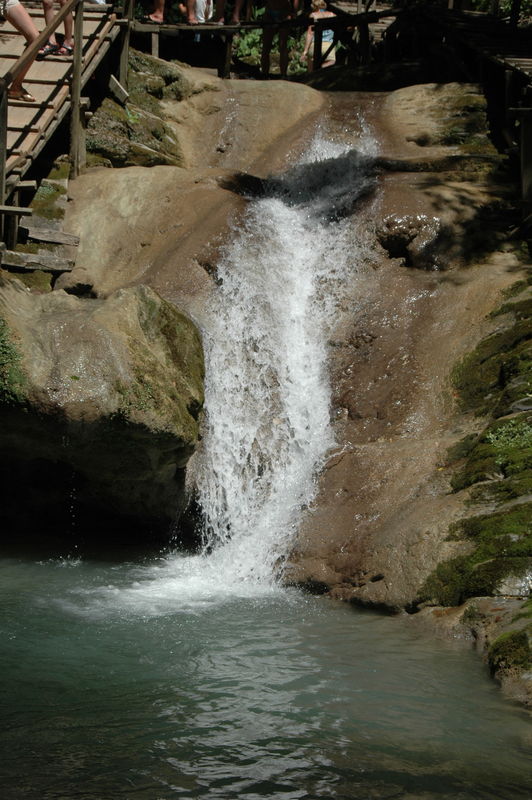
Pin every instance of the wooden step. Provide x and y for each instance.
(48, 262)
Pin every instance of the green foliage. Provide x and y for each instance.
(248, 46)
(11, 376)
(248, 43)
(511, 435)
(505, 6)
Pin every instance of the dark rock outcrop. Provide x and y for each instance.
(100, 403)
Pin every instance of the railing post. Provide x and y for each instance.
(77, 149)
(3, 151)
(525, 135)
(3, 139)
(318, 38)
(124, 43)
(515, 12)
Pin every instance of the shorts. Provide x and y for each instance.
(5, 5)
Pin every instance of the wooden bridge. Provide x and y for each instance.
(56, 83)
(481, 48)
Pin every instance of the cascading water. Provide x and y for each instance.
(267, 424)
(267, 399)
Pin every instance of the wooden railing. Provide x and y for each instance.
(27, 58)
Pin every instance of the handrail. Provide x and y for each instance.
(22, 63)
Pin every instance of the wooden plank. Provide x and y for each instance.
(48, 262)
(17, 142)
(48, 235)
(117, 90)
(20, 210)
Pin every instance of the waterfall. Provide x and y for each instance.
(267, 427)
(266, 433)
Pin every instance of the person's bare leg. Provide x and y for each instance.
(235, 17)
(191, 12)
(157, 14)
(68, 41)
(21, 20)
(49, 14)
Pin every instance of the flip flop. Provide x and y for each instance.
(20, 94)
(48, 49)
(147, 20)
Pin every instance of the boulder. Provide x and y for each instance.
(100, 401)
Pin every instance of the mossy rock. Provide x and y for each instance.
(131, 136)
(143, 69)
(38, 280)
(12, 379)
(483, 376)
(503, 450)
(502, 548)
(511, 651)
(107, 389)
(456, 580)
(488, 530)
(504, 490)
(154, 83)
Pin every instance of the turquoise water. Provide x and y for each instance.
(134, 681)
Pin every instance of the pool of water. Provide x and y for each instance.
(138, 681)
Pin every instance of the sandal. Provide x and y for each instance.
(49, 49)
(147, 20)
(64, 50)
(20, 94)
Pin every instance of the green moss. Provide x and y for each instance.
(177, 342)
(503, 450)
(502, 546)
(462, 449)
(482, 378)
(115, 133)
(12, 380)
(511, 650)
(501, 491)
(60, 171)
(37, 281)
(480, 466)
(522, 308)
(454, 581)
(45, 204)
(515, 289)
(511, 529)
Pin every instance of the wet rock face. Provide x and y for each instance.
(418, 239)
(100, 401)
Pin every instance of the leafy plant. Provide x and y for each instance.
(248, 46)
